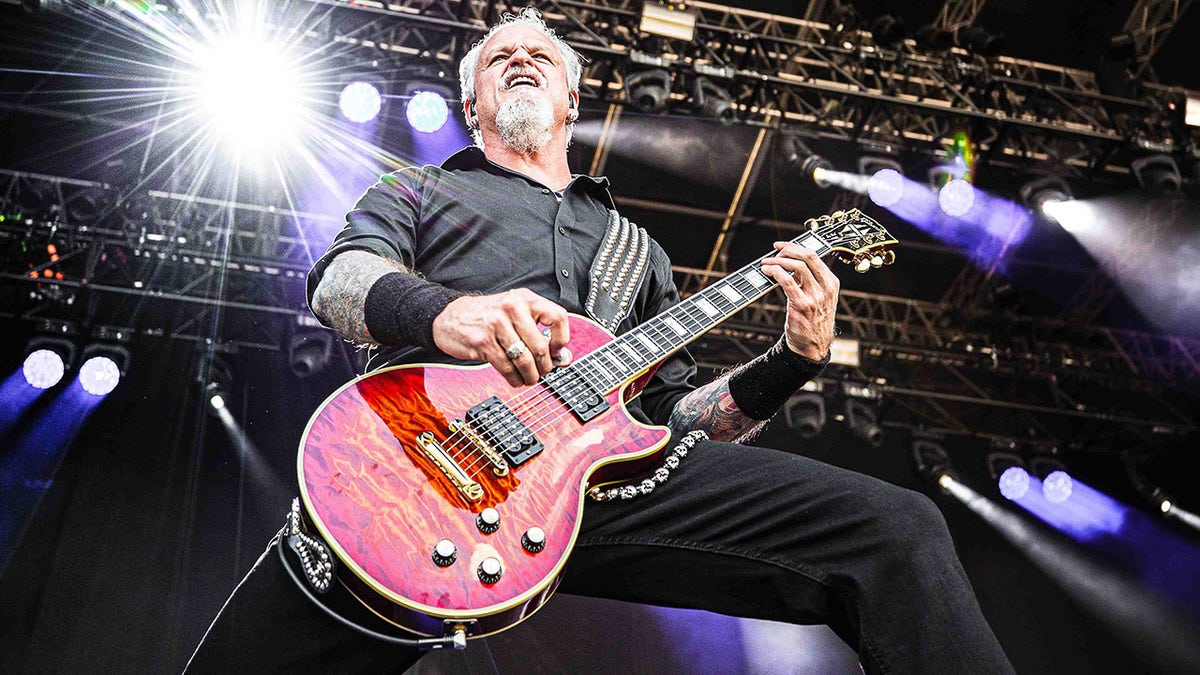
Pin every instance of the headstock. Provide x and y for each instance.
(854, 238)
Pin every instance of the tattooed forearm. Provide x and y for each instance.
(342, 293)
(711, 408)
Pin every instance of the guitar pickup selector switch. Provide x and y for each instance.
(488, 520)
(444, 553)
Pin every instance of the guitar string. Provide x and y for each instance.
(657, 329)
(550, 413)
(545, 405)
(547, 400)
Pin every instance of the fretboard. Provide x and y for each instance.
(631, 354)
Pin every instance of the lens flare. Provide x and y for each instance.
(43, 368)
(252, 91)
(427, 111)
(360, 102)
(886, 187)
(956, 197)
(99, 375)
(1014, 483)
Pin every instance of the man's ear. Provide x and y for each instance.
(471, 113)
(572, 106)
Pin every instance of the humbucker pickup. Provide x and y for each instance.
(504, 430)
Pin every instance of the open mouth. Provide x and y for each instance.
(520, 80)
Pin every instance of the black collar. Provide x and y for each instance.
(472, 157)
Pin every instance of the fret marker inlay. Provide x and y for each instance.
(675, 325)
(706, 306)
(733, 295)
(648, 343)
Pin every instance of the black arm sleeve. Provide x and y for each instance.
(383, 221)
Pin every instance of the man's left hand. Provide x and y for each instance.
(812, 295)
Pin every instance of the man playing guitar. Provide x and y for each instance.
(482, 259)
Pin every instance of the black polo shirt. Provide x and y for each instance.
(473, 225)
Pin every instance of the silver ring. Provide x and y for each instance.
(515, 350)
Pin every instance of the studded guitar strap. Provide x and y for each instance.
(617, 272)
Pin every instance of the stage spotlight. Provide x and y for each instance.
(309, 351)
(46, 360)
(427, 111)
(668, 21)
(805, 414)
(649, 90)
(980, 41)
(888, 30)
(1057, 487)
(1157, 174)
(845, 18)
(1008, 470)
(1043, 194)
(956, 197)
(931, 461)
(800, 157)
(710, 100)
(862, 421)
(934, 38)
(217, 378)
(102, 369)
(1056, 482)
(886, 187)
(360, 102)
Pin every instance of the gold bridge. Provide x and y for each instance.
(499, 465)
(437, 454)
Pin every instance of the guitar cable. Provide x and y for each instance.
(456, 640)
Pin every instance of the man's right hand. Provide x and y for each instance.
(483, 327)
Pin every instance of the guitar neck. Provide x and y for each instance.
(628, 356)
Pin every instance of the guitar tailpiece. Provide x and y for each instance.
(318, 564)
(661, 474)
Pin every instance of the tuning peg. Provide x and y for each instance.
(877, 261)
(811, 224)
(889, 257)
(861, 265)
(838, 215)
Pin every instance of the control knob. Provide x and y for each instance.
(534, 539)
(490, 570)
(488, 520)
(444, 553)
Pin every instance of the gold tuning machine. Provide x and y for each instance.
(889, 257)
(861, 265)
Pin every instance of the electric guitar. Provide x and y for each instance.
(454, 499)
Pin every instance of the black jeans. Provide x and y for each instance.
(738, 530)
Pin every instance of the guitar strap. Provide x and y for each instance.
(617, 272)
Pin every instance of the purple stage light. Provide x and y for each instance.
(99, 375)
(427, 111)
(1014, 483)
(1057, 487)
(360, 102)
(43, 368)
(956, 197)
(886, 187)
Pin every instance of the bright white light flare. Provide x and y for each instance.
(253, 92)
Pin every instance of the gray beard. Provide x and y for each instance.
(525, 125)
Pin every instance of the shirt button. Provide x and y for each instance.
(565, 273)
(545, 191)
(562, 230)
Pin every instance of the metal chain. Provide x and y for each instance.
(661, 474)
